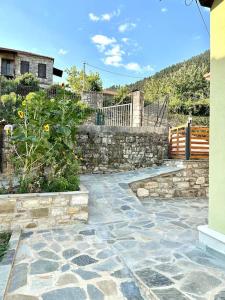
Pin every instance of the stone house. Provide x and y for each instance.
(15, 62)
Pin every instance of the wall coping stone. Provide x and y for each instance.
(82, 191)
(186, 161)
(117, 129)
(178, 169)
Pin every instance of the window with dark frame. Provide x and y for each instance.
(24, 67)
(42, 70)
(7, 67)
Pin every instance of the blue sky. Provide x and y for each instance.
(132, 37)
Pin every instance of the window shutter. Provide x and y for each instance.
(4, 67)
(24, 67)
(7, 68)
(42, 70)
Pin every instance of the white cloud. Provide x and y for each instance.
(164, 10)
(101, 41)
(93, 17)
(62, 52)
(115, 50)
(114, 56)
(133, 66)
(126, 27)
(125, 40)
(113, 53)
(114, 60)
(104, 17)
(148, 68)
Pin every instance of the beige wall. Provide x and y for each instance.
(217, 119)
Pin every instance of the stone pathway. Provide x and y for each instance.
(129, 250)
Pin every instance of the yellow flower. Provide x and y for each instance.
(7, 131)
(46, 128)
(21, 114)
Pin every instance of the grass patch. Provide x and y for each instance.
(4, 240)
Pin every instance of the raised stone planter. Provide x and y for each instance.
(43, 210)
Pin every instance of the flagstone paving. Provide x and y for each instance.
(129, 250)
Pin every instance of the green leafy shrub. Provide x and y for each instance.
(12, 92)
(27, 79)
(9, 104)
(4, 240)
(179, 119)
(44, 142)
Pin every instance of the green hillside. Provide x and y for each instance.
(184, 83)
(199, 60)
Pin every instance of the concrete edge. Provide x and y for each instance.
(211, 239)
(176, 169)
(82, 191)
(7, 263)
(114, 129)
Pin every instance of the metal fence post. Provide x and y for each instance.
(187, 141)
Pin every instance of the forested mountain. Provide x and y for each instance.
(199, 60)
(184, 83)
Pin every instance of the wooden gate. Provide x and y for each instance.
(189, 142)
(199, 142)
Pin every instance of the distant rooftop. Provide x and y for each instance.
(14, 51)
(109, 92)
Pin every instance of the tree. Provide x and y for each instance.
(186, 86)
(122, 95)
(78, 82)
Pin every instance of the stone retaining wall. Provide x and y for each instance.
(43, 210)
(108, 149)
(191, 181)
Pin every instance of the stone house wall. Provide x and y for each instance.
(43, 210)
(106, 149)
(191, 181)
(33, 60)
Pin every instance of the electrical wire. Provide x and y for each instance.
(188, 3)
(202, 17)
(115, 73)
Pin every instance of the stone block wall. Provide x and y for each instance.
(6, 168)
(33, 60)
(106, 149)
(191, 181)
(43, 210)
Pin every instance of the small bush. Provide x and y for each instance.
(4, 240)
